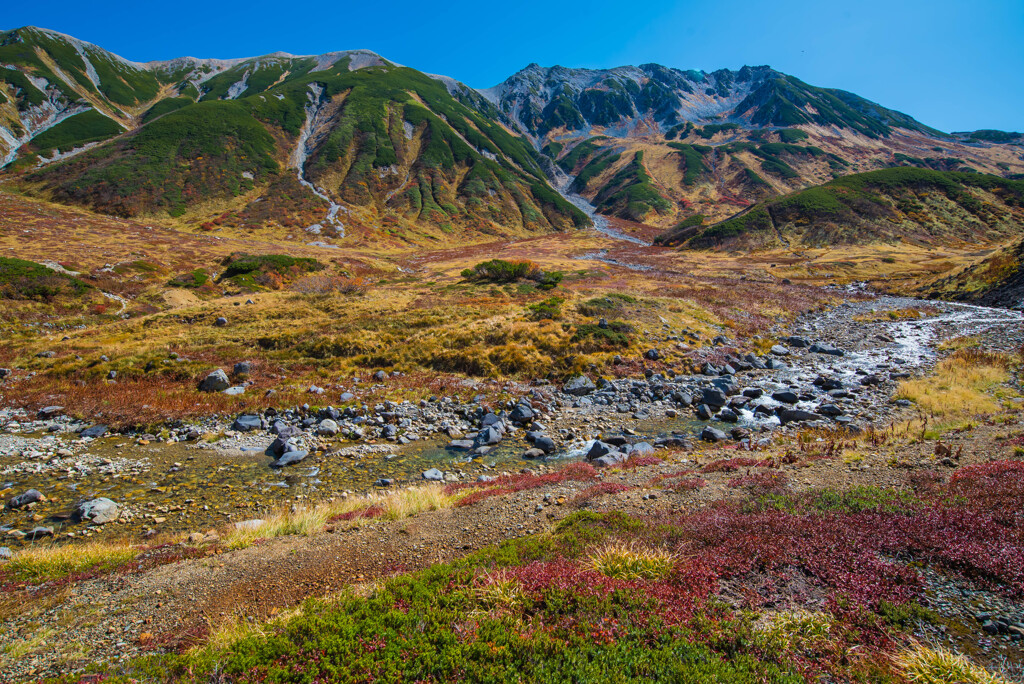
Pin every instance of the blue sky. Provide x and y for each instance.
(952, 64)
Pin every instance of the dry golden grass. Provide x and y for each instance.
(925, 665)
(961, 385)
(43, 563)
(631, 561)
(310, 520)
(796, 630)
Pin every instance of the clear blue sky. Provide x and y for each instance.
(952, 64)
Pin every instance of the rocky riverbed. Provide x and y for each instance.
(828, 369)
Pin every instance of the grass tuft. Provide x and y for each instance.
(920, 663)
(622, 561)
(42, 564)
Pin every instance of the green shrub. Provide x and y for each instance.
(21, 279)
(192, 279)
(549, 309)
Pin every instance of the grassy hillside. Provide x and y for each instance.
(391, 141)
(995, 280)
(915, 205)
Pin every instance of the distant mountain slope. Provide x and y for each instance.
(387, 146)
(916, 205)
(543, 100)
(349, 144)
(717, 142)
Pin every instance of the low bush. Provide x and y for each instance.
(21, 279)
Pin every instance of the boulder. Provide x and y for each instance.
(830, 410)
(247, 423)
(242, 368)
(433, 475)
(789, 415)
(640, 449)
(607, 461)
(94, 431)
(327, 428)
(705, 412)
(779, 350)
(522, 413)
(579, 386)
(786, 396)
(714, 397)
(220, 322)
(39, 533)
(22, 500)
(599, 449)
(347, 397)
(823, 348)
(534, 453)
(235, 391)
(281, 445)
(216, 381)
(466, 444)
(728, 416)
(710, 434)
(48, 412)
(798, 342)
(544, 443)
(380, 376)
(97, 511)
(288, 458)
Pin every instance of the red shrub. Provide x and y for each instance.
(641, 461)
(731, 465)
(600, 490)
(761, 483)
(510, 484)
(688, 484)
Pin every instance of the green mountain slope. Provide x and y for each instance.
(386, 140)
(915, 205)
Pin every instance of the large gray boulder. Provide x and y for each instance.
(790, 415)
(599, 449)
(97, 511)
(327, 428)
(710, 434)
(714, 397)
(288, 458)
(433, 475)
(94, 431)
(247, 423)
(579, 386)
(29, 497)
(216, 381)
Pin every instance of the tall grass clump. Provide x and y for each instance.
(926, 665)
(44, 563)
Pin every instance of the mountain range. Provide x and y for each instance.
(349, 145)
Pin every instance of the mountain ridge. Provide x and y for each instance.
(401, 157)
